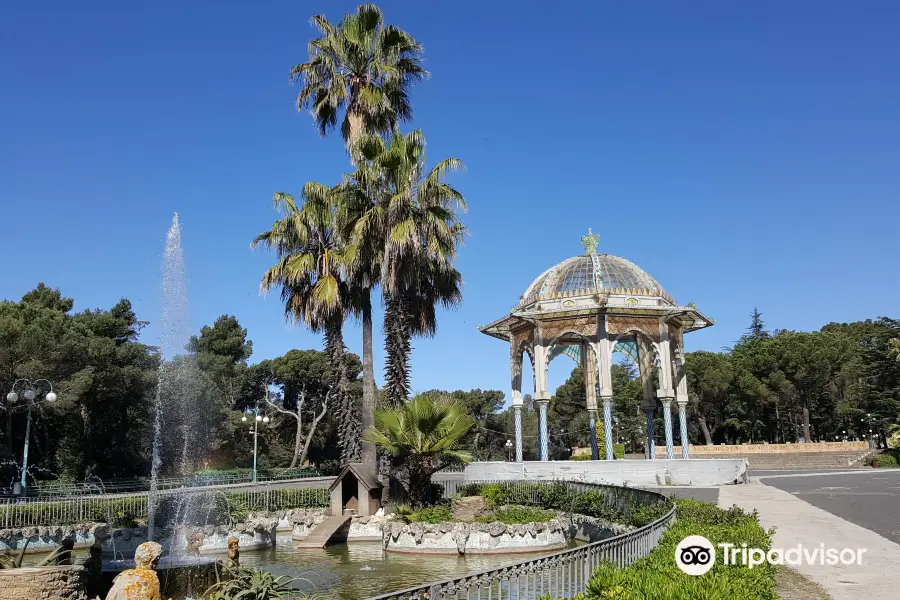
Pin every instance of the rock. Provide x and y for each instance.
(469, 508)
(461, 536)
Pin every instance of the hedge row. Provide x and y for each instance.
(611, 504)
(658, 577)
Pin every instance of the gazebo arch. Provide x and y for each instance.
(588, 307)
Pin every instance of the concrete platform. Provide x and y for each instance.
(631, 473)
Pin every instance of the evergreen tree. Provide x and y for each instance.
(757, 329)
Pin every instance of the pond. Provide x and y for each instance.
(361, 569)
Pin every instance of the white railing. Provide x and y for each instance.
(125, 509)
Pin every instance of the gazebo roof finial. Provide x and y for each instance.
(590, 242)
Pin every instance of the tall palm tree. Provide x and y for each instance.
(310, 272)
(365, 68)
(423, 436)
(401, 219)
(361, 67)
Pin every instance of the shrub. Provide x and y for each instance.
(431, 514)
(657, 576)
(603, 504)
(888, 459)
(246, 583)
(513, 515)
(494, 494)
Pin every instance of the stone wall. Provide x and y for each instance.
(43, 583)
(499, 538)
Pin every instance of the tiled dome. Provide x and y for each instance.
(593, 273)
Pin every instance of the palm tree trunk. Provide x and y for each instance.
(345, 412)
(368, 397)
(397, 346)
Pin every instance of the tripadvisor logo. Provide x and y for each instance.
(696, 555)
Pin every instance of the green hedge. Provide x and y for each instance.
(888, 458)
(658, 577)
(611, 504)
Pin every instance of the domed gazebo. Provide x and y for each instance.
(588, 307)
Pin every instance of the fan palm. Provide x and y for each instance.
(310, 272)
(402, 220)
(423, 436)
(361, 67)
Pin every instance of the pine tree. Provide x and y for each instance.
(757, 329)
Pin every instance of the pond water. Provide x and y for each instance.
(361, 569)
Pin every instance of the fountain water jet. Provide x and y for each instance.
(174, 336)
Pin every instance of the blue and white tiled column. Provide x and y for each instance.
(607, 427)
(543, 428)
(682, 423)
(667, 424)
(651, 444)
(595, 452)
(517, 412)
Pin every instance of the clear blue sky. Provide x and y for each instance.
(745, 155)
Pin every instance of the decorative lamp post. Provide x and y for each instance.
(255, 431)
(509, 446)
(30, 396)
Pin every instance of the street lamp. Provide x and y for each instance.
(30, 396)
(255, 431)
(509, 446)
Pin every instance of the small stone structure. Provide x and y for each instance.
(43, 583)
(356, 489)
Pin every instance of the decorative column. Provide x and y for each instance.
(682, 421)
(681, 392)
(589, 368)
(517, 414)
(651, 444)
(515, 361)
(603, 349)
(667, 423)
(665, 392)
(542, 398)
(542, 427)
(607, 427)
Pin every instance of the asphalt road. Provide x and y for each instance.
(870, 499)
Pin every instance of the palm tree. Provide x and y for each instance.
(310, 272)
(365, 68)
(423, 436)
(361, 67)
(402, 219)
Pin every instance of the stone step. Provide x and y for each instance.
(322, 533)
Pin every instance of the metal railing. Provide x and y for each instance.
(558, 575)
(55, 489)
(123, 509)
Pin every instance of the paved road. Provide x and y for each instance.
(870, 499)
